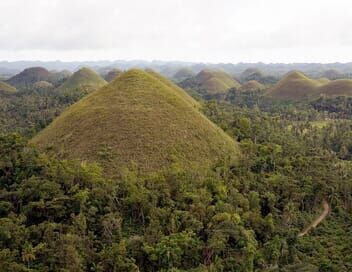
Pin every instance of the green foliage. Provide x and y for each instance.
(244, 215)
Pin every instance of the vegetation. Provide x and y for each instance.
(233, 214)
(28, 112)
(337, 107)
(33, 108)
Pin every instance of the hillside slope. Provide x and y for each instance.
(6, 88)
(138, 119)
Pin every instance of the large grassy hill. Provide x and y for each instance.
(210, 83)
(139, 119)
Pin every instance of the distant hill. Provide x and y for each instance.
(6, 88)
(58, 77)
(332, 74)
(28, 77)
(111, 75)
(183, 74)
(251, 74)
(252, 85)
(84, 78)
(294, 86)
(256, 74)
(141, 119)
(210, 83)
(339, 87)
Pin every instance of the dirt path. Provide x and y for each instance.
(317, 221)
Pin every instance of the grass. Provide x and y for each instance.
(82, 78)
(320, 124)
(6, 88)
(142, 119)
(177, 90)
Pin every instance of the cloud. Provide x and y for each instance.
(207, 30)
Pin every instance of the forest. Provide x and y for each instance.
(238, 215)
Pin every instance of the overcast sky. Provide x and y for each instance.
(188, 30)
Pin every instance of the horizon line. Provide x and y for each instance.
(167, 61)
